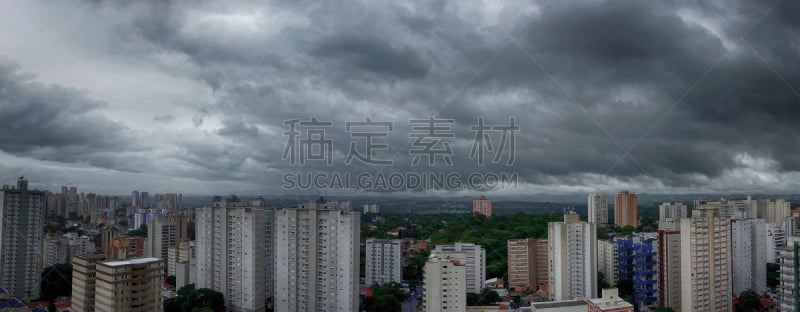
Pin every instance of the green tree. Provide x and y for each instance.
(486, 297)
(56, 282)
(664, 309)
(191, 299)
(772, 275)
(388, 297)
(749, 301)
(140, 232)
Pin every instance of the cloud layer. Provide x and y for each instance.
(655, 97)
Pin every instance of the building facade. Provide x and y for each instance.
(182, 252)
(749, 260)
(384, 261)
(84, 277)
(672, 211)
(608, 260)
(231, 239)
(669, 265)
(445, 281)
(475, 262)
(162, 233)
(21, 224)
(129, 285)
(317, 257)
(626, 211)
(482, 206)
(638, 264)
(597, 207)
(789, 289)
(572, 246)
(527, 263)
(706, 280)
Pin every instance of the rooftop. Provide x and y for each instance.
(130, 261)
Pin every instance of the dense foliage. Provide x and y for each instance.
(485, 298)
(191, 299)
(56, 282)
(386, 298)
(140, 232)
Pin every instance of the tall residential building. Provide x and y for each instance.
(706, 281)
(83, 282)
(384, 261)
(129, 285)
(231, 245)
(789, 289)
(182, 252)
(475, 262)
(162, 233)
(520, 260)
(669, 265)
(482, 206)
(638, 264)
(527, 263)
(445, 284)
(62, 249)
(626, 211)
(371, 208)
(774, 211)
(608, 260)
(776, 238)
(317, 257)
(749, 250)
(597, 206)
(21, 224)
(572, 246)
(145, 202)
(672, 211)
(136, 199)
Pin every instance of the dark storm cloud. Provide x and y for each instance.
(51, 121)
(586, 80)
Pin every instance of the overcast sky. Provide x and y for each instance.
(191, 96)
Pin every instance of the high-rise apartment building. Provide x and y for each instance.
(774, 211)
(129, 285)
(482, 206)
(475, 262)
(789, 289)
(626, 211)
(706, 280)
(162, 233)
(231, 242)
(384, 261)
(749, 250)
(669, 265)
(672, 211)
(136, 199)
(572, 246)
(317, 257)
(608, 260)
(21, 224)
(62, 249)
(182, 252)
(597, 206)
(638, 265)
(83, 282)
(445, 284)
(520, 260)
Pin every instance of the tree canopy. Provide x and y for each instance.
(191, 299)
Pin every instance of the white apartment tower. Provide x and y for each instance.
(749, 250)
(445, 284)
(21, 222)
(384, 261)
(231, 247)
(572, 246)
(162, 233)
(706, 280)
(789, 290)
(317, 257)
(597, 205)
(475, 262)
(671, 211)
(608, 260)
